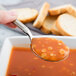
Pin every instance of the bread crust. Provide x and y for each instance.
(71, 10)
(23, 16)
(54, 30)
(42, 15)
(58, 11)
(45, 30)
(29, 20)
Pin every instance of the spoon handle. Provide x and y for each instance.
(20, 25)
(23, 28)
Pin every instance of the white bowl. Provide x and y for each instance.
(20, 41)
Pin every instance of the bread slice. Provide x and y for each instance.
(72, 10)
(59, 10)
(48, 24)
(42, 15)
(26, 14)
(66, 24)
(54, 30)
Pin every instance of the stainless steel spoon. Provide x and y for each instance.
(28, 32)
(23, 28)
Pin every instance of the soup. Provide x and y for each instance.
(50, 49)
(24, 63)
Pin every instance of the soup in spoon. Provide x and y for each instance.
(50, 49)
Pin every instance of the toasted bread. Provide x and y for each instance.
(59, 10)
(26, 14)
(72, 10)
(47, 24)
(66, 24)
(42, 15)
(54, 30)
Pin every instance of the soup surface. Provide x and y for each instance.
(24, 63)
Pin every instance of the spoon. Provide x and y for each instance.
(45, 50)
(49, 49)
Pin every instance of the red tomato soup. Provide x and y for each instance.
(50, 49)
(24, 63)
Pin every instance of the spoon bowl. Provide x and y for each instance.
(50, 49)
